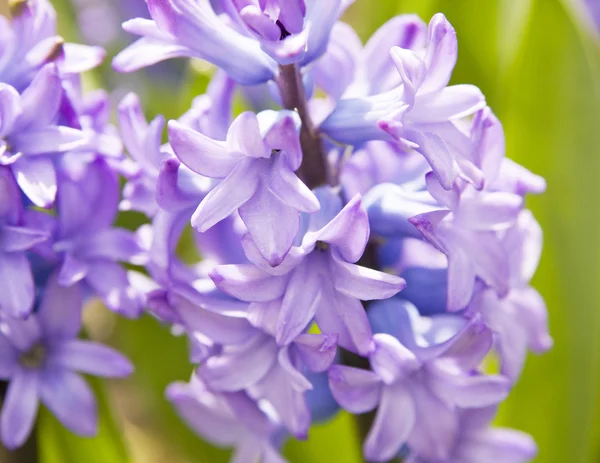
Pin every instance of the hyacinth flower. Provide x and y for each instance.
(257, 163)
(318, 279)
(418, 379)
(29, 136)
(471, 243)
(248, 41)
(84, 245)
(419, 113)
(476, 441)
(230, 419)
(519, 320)
(29, 41)
(17, 291)
(41, 357)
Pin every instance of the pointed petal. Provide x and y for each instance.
(437, 154)
(348, 231)
(237, 370)
(37, 179)
(451, 103)
(244, 137)
(300, 302)
(393, 424)
(441, 55)
(248, 283)
(317, 351)
(148, 51)
(71, 400)
(15, 239)
(72, 270)
(356, 390)
(436, 426)
(228, 196)
(48, 140)
(16, 284)
(200, 153)
(80, 58)
(405, 31)
(271, 223)
(221, 329)
(467, 391)
(489, 211)
(364, 283)
(286, 185)
(390, 360)
(41, 100)
(10, 107)
(91, 358)
(347, 317)
(19, 408)
(60, 309)
(499, 445)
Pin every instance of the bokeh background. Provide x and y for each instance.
(538, 62)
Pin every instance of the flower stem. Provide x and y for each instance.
(28, 452)
(313, 171)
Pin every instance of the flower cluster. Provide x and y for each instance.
(365, 245)
(59, 195)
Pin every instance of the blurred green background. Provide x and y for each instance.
(538, 62)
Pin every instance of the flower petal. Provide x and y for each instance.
(248, 283)
(37, 179)
(393, 424)
(317, 351)
(91, 358)
(390, 360)
(300, 302)
(356, 390)
(364, 283)
(228, 196)
(239, 368)
(60, 309)
(200, 153)
(19, 408)
(71, 400)
(441, 55)
(271, 223)
(16, 284)
(15, 239)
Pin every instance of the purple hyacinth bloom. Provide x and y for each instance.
(29, 135)
(476, 442)
(290, 30)
(229, 419)
(143, 143)
(41, 356)
(257, 163)
(519, 320)
(421, 112)
(420, 375)
(273, 373)
(467, 232)
(317, 279)
(191, 28)
(29, 41)
(85, 245)
(247, 41)
(16, 280)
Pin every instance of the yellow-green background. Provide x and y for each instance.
(538, 62)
